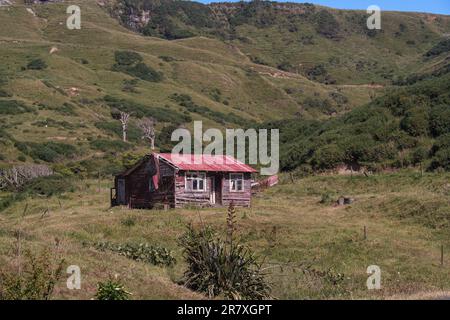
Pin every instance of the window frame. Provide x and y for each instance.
(203, 174)
(231, 184)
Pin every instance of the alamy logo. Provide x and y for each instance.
(235, 146)
(74, 280)
(374, 21)
(74, 20)
(374, 280)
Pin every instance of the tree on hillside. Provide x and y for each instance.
(124, 118)
(147, 126)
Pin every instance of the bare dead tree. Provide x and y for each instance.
(124, 118)
(147, 126)
(17, 176)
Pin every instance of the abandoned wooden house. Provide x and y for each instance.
(174, 181)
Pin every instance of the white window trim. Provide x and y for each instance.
(197, 173)
(229, 178)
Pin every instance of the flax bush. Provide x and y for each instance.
(218, 267)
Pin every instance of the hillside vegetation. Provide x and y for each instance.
(62, 86)
(323, 44)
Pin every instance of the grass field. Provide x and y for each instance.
(311, 248)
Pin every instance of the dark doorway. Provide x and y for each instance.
(218, 188)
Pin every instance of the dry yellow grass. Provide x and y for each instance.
(287, 225)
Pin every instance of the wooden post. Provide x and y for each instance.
(365, 233)
(292, 177)
(442, 254)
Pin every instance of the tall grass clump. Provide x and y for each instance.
(218, 267)
(35, 279)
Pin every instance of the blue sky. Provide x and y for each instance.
(433, 6)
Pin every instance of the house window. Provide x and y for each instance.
(236, 182)
(195, 181)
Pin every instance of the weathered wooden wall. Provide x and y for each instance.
(239, 198)
(138, 186)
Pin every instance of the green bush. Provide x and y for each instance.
(186, 101)
(47, 186)
(219, 269)
(127, 58)
(327, 157)
(441, 47)
(144, 252)
(139, 110)
(131, 63)
(4, 94)
(129, 221)
(13, 107)
(133, 132)
(326, 24)
(415, 122)
(67, 109)
(47, 151)
(40, 273)
(111, 290)
(144, 72)
(440, 120)
(110, 145)
(37, 64)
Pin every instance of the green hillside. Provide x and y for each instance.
(230, 65)
(323, 44)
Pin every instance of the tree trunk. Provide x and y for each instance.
(124, 133)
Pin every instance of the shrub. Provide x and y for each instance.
(127, 58)
(129, 221)
(440, 120)
(216, 268)
(441, 47)
(4, 94)
(415, 122)
(139, 110)
(326, 24)
(131, 63)
(114, 127)
(13, 107)
(111, 290)
(144, 252)
(186, 101)
(48, 151)
(36, 64)
(47, 186)
(327, 198)
(144, 72)
(37, 280)
(110, 145)
(67, 109)
(327, 157)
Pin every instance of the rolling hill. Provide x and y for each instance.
(240, 64)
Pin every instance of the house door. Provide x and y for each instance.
(218, 189)
(212, 193)
(121, 191)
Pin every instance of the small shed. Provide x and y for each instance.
(179, 180)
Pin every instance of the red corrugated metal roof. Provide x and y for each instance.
(206, 162)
